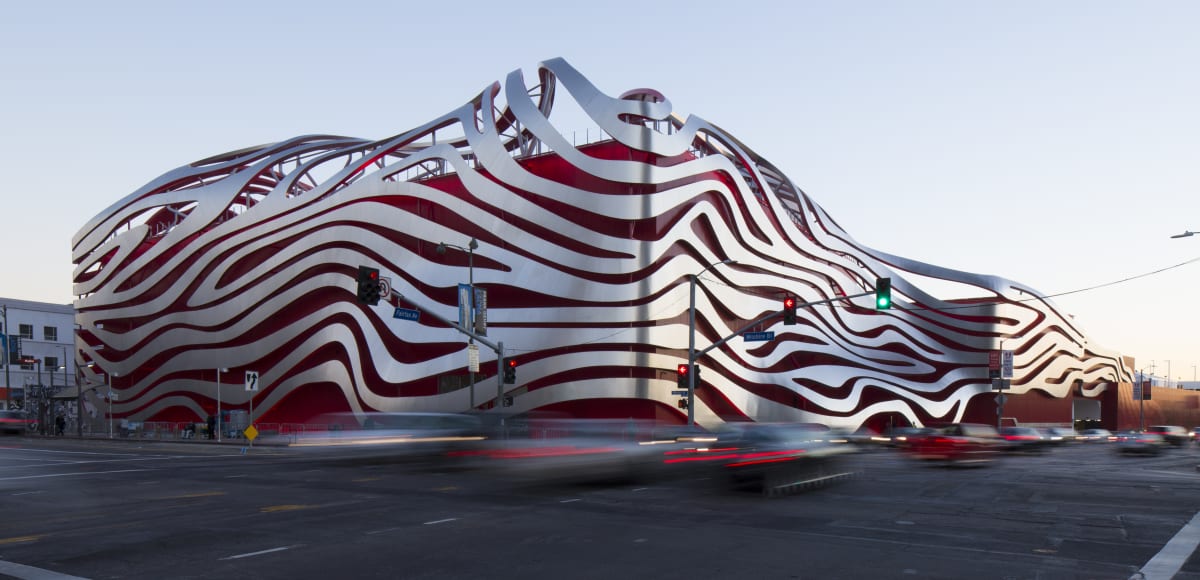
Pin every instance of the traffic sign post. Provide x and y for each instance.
(251, 387)
(1006, 364)
(473, 357)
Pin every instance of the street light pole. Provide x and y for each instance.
(470, 250)
(691, 368)
(7, 358)
(78, 405)
(64, 370)
(1141, 403)
(108, 378)
(218, 421)
(42, 392)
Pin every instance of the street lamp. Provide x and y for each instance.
(470, 250)
(108, 378)
(219, 422)
(691, 370)
(1185, 234)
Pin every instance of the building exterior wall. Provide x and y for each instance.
(1165, 407)
(54, 350)
(247, 261)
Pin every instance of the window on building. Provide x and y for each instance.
(26, 331)
(50, 333)
(50, 363)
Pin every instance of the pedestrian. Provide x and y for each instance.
(212, 426)
(60, 424)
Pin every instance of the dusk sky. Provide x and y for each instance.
(1056, 144)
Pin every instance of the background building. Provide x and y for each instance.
(43, 336)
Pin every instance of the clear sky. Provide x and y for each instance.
(1053, 143)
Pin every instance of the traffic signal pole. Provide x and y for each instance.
(694, 355)
(497, 347)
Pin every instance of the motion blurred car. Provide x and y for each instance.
(1096, 436)
(588, 451)
(14, 422)
(1173, 434)
(863, 438)
(399, 436)
(1062, 435)
(904, 437)
(1196, 434)
(775, 457)
(958, 444)
(1024, 440)
(1135, 443)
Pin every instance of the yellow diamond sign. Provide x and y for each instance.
(250, 433)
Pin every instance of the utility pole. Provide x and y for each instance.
(7, 359)
(1141, 403)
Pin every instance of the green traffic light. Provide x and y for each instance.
(883, 293)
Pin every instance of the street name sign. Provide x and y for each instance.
(407, 314)
(758, 336)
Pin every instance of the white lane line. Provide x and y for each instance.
(30, 573)
(71, 474)
(261, 552)
(570, 500)
(1168, 561)
(384, 531)
(439, 521)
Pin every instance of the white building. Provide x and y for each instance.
(46, 335)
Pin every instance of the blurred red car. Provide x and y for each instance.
(14, 422)
(959, 443)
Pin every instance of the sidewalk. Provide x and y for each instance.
(166, 439)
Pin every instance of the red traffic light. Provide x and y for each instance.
(512, 363)
(789, 302)
(682, 369)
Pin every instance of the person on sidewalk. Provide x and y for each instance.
(212, 427)
(60, 424)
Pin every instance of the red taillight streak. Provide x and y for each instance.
(759, 461)
(701, 457)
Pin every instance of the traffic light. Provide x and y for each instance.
(368, 285)
(789, 310)
(510, 371)
(883, 293)
(681, 376)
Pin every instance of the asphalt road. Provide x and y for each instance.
(126, 509)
